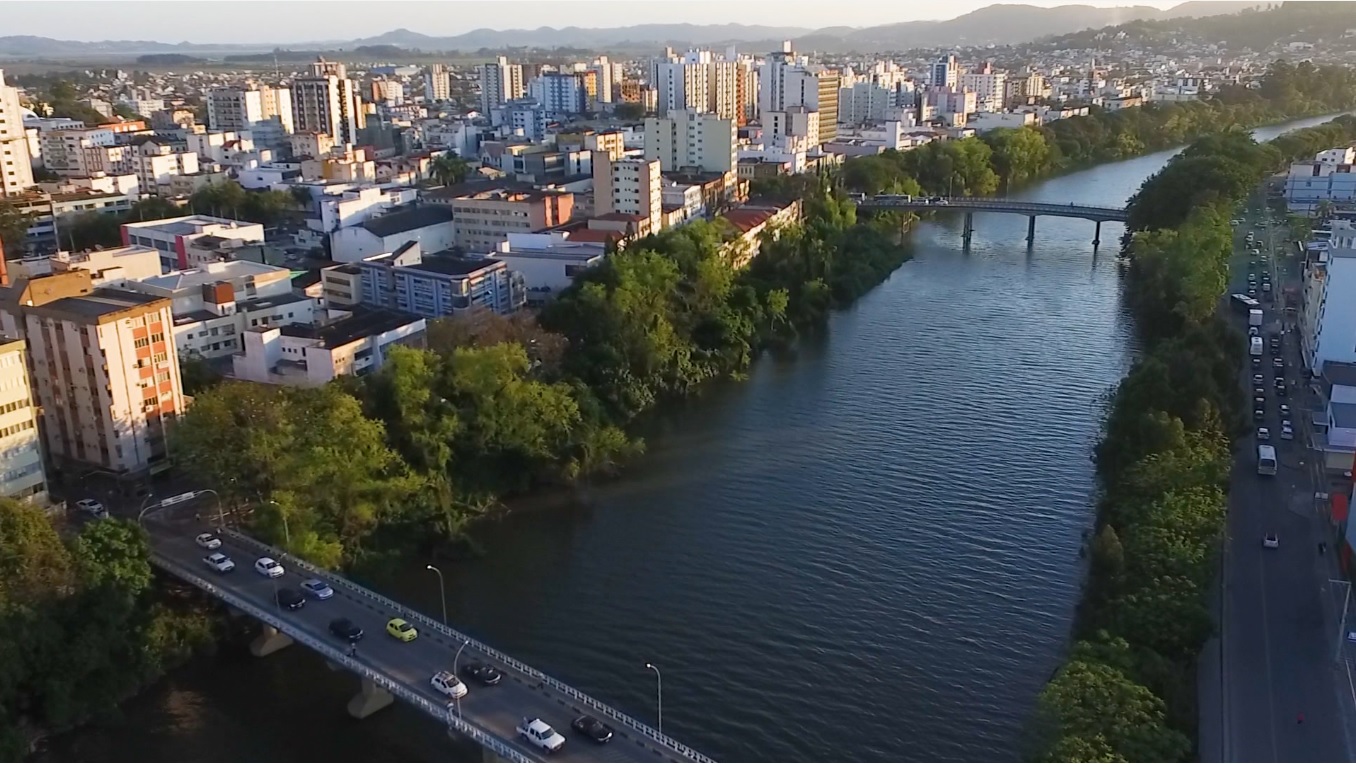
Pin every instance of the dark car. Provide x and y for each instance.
(1282, 391)
(346, 629)
(1259, 414)
(592, 729)
(483, 673)
(291, 598)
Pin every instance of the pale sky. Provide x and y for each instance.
(292, 21)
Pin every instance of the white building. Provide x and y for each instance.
(326, 101)
(113, 267)
(437, 83)
(560, 94)
(1329, 177)
(190, 241)
(310, 356)
(430, 225)
(350, 207)
(990, 88)
(500, 82)
(548, 261)
(16, 168)
(628, 187)
(687, 139)
(1328, 320)
(22, 475)
(263, 112)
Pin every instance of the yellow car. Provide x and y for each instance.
(401, 630)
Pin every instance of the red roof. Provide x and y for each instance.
(747, 220)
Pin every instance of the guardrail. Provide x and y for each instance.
(398, 689)
(405, 612)
(1067, 210)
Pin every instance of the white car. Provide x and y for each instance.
(540, 734)
(92, 508)
(1287, 433)
(219, 562)
(1263, 433)
(1270, 541)
(208, 541)
(267, 566)
(448, 684)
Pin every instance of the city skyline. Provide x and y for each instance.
(297, 22)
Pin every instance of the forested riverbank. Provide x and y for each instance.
(1128, 689)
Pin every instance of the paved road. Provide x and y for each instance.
(992, 204)
(496, 709)
(1278, 618)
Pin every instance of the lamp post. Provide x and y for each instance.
(442, 592)
(659, 693)
(145, 505)
(1342, 624)
(455, 658)
(282, 512)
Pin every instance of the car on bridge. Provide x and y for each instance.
(540, 734)
(291, 598)
(482, 672)
(448, 684)
(402, 630)
(317, 589)
(345, 629)
(592, 729)
(219, 562)
(267, 566)
(207, 541)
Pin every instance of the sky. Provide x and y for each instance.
(292, 21)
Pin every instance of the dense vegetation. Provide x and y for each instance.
(82, 625)
(1253, 29)
(494, 406)
(1127, 692)
(999, 158)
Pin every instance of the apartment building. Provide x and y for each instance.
(628, 187)
(788, 82)
(262, 111)
(190, 241)
(483, 219)
(560, 94)
(73, 152)
(547, 262)
(437, 83)
(500, 82)
(945, 73)
(690, 141)
(326, 101)
(45, 211)
(113, 267)
(1327, 322)
(1329, 177)
(16, 168)
(105, 368)
(440, 285)
(990, 87)
(355, 344)
(157, 164)
(22, 475)
(428, 224)
(698, 82)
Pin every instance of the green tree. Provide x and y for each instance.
(1098, 712)
(449, 169)
(13, 230)
(628, 111)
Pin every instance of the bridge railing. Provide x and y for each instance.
(400, 690)
(405, 612)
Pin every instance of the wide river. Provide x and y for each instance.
(869, 550)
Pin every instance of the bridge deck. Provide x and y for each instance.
(991, 204)
(488, 714)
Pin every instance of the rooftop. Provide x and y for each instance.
(404, 220)
(185, 226)
(453, 266)
(1343, 415)
(364, 322)
(211, 273)
(101, 302)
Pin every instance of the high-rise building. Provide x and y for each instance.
(559, 93)
(326, 101)
(945, 72)
(16, 168)
(788, 82)
(746, 92)
(990, 87)
(437, 83)
(105, 370)
(605, 81)
(21, 470)
(826, 103)
(264, 112)
(629, 187)
(500, 81)
(690, 140)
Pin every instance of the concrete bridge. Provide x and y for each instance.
(390, 669)
(971, 205)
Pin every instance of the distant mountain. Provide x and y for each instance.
(991, 25)
(1256, 29)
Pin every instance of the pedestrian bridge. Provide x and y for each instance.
(392, 669)
(970, 205)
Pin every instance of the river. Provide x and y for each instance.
(869, 550)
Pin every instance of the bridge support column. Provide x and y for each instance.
(269, 641)
(1097, 235)
(1031, 230)
(969, 229)
(369, 700)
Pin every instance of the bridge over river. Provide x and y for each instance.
(971, 205)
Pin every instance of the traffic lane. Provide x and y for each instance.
(496, 709)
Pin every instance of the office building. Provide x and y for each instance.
(193, 240)
(16, 168)
(22, 476)
(440, 285)
(945, 73)
(326, 101)
(691, 141)
(105, 370)
(483, 219)
(500, 82)
(788, 82)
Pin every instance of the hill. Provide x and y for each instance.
(1252, 29)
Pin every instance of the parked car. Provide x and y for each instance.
(592, 729)
(291, 598)
(219, 562)
(1270, 541)
(1259, 414)
(1278, 363)
(1287, 432)
(402, 630)
(482, 672)
(540, 734)
(92, 508)
(267, 566)
(346, 629)
(448, 684)
(317, 589)
(1258, 379)
(1263, 433)
(207, 541)
(1285, 410)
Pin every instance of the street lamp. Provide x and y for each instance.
(455, 658)
(1342, 625)
(659, 693)
(442, 590)
(282, 512)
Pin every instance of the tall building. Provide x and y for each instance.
(559, 93)
(264, 112)
(605, 82)
(628, 187)
(326, 101)
(437, 83)
(21, 470)
(691, 140)
(991, 87)
(105, 368)
(787, 81)
(826, 103)
(746, 92)
(500, 81)
(945, 72)
(697, 82)
(16, 169)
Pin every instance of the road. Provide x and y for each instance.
(497, 709)
(1279, 614)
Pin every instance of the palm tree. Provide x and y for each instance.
(449, 169)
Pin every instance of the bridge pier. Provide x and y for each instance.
(969, 229)
(1031, 230)
(269, 641)
(1097, 235)
(369, 700)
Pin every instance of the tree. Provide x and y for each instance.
(628, 111)
(449, 169)
(13, 230)
(1096, 711)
